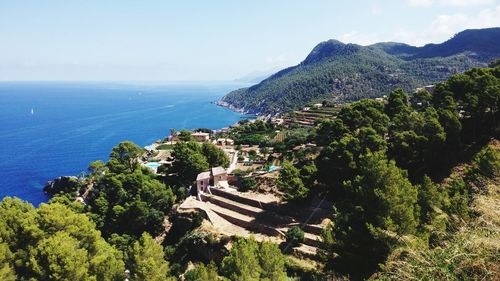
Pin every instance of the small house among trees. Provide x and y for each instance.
(224, 142)
(215, 177)
(201, 136)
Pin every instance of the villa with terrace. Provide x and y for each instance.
(201, 136)
(215, 177)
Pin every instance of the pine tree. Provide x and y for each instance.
(147, 260)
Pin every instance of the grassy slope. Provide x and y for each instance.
(472, 252)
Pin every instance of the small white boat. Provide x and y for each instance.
(32, 111)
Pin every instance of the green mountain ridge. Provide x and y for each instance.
(341, 72)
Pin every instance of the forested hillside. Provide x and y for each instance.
(384, 166)
(413, 185)
(348, 72)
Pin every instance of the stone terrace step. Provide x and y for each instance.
(243, 200)
(305, 251)
(311, 228)
(232, 205)
(241, 216)
(310, 239)
(261, 216)
(243, 220)
(311, 214)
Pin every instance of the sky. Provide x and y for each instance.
(217, 40)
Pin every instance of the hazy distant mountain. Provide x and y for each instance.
(347, 72)
(255, 77)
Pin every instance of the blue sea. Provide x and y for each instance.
(49, 129)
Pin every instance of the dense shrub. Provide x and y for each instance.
(295, 235)
(247, 183)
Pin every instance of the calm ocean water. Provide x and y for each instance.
(53, 129)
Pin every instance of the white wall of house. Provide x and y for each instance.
(202, 184)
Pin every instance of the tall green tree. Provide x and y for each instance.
(252, 260)
(477, 95)
(97, 169)
(381, 207)
(329, 131)
(449, 118)
(173, 132)
(421, 99)
(147, 260)
(202, 273)
(189, 160)
(430, 200)
(308, 174)
(7, 272)
(365, 113)
(338, 161)
(185, 135)
(129, 203)
(290, 183)
(272, 262)
(53, 242)
(370, 140)
(60, 257)
(242, 263)
(387, 195)
(397, 102)
(125, 155)
(214, 155)
(485, 164)
(415, 138)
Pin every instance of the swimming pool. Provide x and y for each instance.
(273, 168)
(153, 165)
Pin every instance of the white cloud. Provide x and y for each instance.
(420, 2)
(440, 29)
(466, 2)
(350, 36)
(460, 3)
(445, 26)
(279, 59)
(355, 36)
(376, 10)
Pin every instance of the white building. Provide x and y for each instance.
(215, 177)
(224, 142)
(200, 136)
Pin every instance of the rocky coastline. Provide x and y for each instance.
(231, 107)
(61, 184)
(243, 110)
